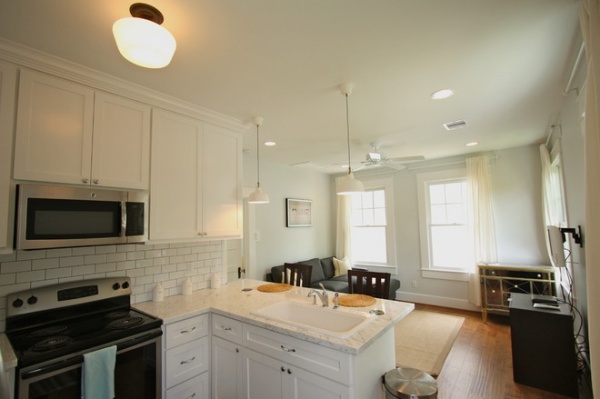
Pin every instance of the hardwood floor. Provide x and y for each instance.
(479, 366)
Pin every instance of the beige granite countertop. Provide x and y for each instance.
(230, 300)
(8, 359)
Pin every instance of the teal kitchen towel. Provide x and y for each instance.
(98, 377)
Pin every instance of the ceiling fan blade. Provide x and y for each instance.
(407, 159)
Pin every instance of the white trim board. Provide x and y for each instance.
(445, 302)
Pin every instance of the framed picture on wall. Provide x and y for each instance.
(298, 212)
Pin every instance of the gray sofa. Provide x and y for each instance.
(323, 272)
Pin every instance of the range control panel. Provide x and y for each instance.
(66, 294)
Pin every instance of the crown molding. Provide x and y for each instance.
(37, 60)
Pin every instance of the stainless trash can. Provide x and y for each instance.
(407, 383)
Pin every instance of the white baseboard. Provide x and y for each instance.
(454, 303)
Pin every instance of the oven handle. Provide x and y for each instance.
(79, 359)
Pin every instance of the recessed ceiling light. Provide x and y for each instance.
(270, 143)
(472, 144)
(441, 94)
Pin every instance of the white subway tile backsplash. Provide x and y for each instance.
(41, 264)
(145, 264)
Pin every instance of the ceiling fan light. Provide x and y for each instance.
(347, 185)
(144, 43)
(258, 197)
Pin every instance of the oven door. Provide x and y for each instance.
(137, 372)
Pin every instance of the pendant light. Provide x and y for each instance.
(348, 184)
(141, 40)
(258, 197)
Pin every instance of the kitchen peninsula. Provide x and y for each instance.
(267, 357)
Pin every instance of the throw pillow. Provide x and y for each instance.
(341, 266)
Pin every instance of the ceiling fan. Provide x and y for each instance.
(374, 158)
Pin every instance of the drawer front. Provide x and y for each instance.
(317, 359)
(187, 330)
(187, 361)
(227, 328)
(196, 388)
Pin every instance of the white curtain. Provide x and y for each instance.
(551, 189)
(343, 247)
(479, 187)
(590, 24)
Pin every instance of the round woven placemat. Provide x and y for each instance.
(356, 300)
(274, 287)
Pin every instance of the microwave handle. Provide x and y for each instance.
(123, 218)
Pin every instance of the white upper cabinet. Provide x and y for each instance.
(195, 188)
(69, 133)
(121, 145)
(222, 182)
(8, 81)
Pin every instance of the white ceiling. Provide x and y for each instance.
(508, 62)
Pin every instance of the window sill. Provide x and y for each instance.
(445, 275)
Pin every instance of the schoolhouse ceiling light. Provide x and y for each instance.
(142, 40)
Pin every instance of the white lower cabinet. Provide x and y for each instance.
(268, 378)
(187, 359)
(227, 381)
(194, 388)
(250, 362)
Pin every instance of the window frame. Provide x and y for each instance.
(423, 181)
(387, 185)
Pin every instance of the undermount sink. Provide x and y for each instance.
(322, 320)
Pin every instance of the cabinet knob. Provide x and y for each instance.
(237, 350)
(282, 369)
(96, 181)
(85, 180)
(289, 371)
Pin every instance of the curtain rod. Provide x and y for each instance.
(574, 70)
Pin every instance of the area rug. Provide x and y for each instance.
(424, 339)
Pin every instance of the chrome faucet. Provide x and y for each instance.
(323, 296)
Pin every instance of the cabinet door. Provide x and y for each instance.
(8, 80)
(222, 183)
(227, 374)
(175, 183)
(263, 376)
(53, 141)
(121, 149)
(300, 384)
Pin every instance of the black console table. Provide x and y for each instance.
(543, 346)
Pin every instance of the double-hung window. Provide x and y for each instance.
(372, 229)
(446, 239)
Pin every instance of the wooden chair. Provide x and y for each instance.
(369, 283)
(297, 274)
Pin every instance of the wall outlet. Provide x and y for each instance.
(414, 283)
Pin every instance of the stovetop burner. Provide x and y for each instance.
(73, 317)
(124, 323)
(51, 343)
(48, 331)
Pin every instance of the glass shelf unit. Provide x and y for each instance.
(499, 281)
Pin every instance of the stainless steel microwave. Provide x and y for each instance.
(60, 216)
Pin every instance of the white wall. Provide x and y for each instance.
(516, 180)
(278, 243)
(516, 185)
(572, 148)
